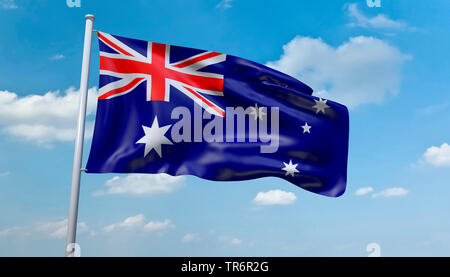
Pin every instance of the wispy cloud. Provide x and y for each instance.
(433, 109)
(142, 184)
(57, 57)
(224, 4)
(8, 4)
(380, 21)
(231, 240)
(157, 226)
(46, 229)
(189, 238)
(5, 173)
(386, 193)
(391, 192)
(129, 223)
(137, 223)
(363, 191)
(274, 197)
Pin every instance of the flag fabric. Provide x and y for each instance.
(178, 110)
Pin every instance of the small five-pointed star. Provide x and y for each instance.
(154, 137)
(290, 168)
(306, 128)
(257, 112)
(320, 105)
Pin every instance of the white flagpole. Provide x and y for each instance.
(77, 159)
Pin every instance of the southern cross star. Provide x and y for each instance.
(257, 112)
(320, 105)
(154, 137)
(306, 128)
(290, 168)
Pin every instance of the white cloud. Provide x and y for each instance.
(48, 229)
(137, 222)
(438, 156)
(8, 4)
(157, 226)
(142, 184)
(433, 109)
(391, 192)
(363, 191)
(3, 174)
(224, 4)
(132, 221)
(231, 240)
(129, 223)
(55, 229)
(236, 241)
(359, 71)
(189, 238)
(109, 228)
(274, 197)
(57, 57)
(44, 119)
(58, 229)
(379, 21)
(9, 231)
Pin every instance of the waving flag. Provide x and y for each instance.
(178, 110)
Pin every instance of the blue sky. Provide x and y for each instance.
(388, 64)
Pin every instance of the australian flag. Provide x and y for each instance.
(177, 110)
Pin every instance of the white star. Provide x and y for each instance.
(257, 112)
(320, 105)
(290, 168)
(306, 128)
(154, 137)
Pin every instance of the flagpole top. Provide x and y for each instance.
(90, 16)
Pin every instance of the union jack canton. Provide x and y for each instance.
(132, 68)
